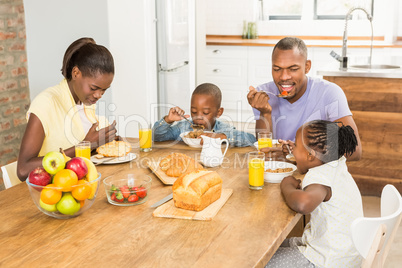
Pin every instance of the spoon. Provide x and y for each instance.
(199, 127)
(290, 156)
(276, 95)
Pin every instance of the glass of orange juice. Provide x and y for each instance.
(145, 135)
(264, 139)
(256, 168)
(83, 149)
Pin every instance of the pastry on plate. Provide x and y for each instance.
(114, 149)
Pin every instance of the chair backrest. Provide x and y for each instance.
(10, 174)
(373, 236)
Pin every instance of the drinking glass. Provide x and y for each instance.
(83, 149)
(256, 167)
(264, 139)
(145, 135)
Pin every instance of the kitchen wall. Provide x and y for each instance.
(225, 17)
(14, 90)
(125, 27)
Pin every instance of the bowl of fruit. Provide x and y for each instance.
(64, 187)
(128, 189)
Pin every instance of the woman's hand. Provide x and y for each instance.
(104, 135)
(175, 114)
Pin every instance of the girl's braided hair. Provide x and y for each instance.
(329, 140)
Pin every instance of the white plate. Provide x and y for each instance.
(274, 141)
(115, 160)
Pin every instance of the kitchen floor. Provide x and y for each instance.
(371, 206)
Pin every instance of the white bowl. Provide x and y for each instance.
(275, 143)
(195, 143)
(277, 177)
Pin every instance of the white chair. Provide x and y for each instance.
(373, 236)
(10, 174)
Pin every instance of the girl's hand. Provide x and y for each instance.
(104, 135)
(285, 150)
(175, 114)
(291, 182)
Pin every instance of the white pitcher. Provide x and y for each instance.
(211, 154)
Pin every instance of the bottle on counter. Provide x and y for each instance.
(245, 30)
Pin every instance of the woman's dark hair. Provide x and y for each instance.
(330, 140)
(90, 58)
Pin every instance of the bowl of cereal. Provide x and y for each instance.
(275, 171)
(193, 138)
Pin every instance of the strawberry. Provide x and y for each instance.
(119, 197)
(141, 192)
(125, 191)
(133, 198)
(134, 189)
(113, 197)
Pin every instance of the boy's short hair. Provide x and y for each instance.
(211, 90)
(289, 43)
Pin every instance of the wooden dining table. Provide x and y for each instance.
(245, 232)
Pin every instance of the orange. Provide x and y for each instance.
(49, 195)
(65, 179)
(82, 190)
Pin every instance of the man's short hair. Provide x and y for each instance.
(289, 43)
(211, 90)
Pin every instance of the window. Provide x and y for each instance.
(280, 10)
(330, 9)
(317, 9)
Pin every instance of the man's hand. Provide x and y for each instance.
(259, 100)
(175, 114)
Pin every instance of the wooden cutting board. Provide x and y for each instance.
(168, 210)
(156, 169)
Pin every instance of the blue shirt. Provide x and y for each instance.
(322, 100)
(163, 131)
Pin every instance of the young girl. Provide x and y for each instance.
(328, 192)
(63, 115)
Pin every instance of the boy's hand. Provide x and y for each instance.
(175, 114)
(259, 100)
(213, 135)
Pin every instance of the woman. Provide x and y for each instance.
(63, 115)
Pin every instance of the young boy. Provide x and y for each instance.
(205, 109)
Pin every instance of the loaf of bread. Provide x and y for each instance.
(176, 164)
(197, 189)
(114, 149)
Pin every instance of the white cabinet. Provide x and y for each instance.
(226, 67)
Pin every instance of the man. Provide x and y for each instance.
(305, 98)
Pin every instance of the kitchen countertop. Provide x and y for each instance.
(311, 41)
(394, 73)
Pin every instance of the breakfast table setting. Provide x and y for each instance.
(243, 228)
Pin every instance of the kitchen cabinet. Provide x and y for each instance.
(226, 67)
(376, 104)
(233, 69)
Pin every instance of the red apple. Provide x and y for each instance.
(39, 176)
(77, 165)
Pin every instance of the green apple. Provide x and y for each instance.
(68, 205)
(53, 162)
(51, 208)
